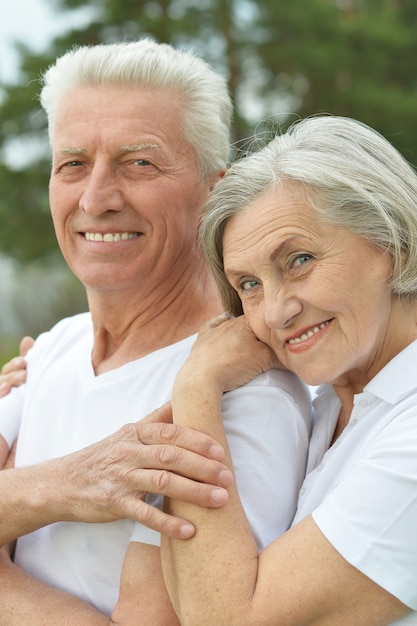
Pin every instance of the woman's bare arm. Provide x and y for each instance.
(218, 577)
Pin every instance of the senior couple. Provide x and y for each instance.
(270, 516)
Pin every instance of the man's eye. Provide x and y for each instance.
(142, 162)
(248, 284)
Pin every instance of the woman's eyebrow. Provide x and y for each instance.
(286, 244)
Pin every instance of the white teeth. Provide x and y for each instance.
(109, 236)
(308, 334)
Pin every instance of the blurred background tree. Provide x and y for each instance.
(282, 59)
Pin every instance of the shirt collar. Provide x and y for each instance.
(398, 378)
(395, 381)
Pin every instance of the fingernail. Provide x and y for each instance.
(219, 496)
(187, 531)
(226, 478)
(217, 453)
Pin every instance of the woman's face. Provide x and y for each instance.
(318, 294)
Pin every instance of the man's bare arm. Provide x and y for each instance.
(143, 598)
(24, 600)
(110, 479)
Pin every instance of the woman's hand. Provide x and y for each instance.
(227, 354)
(13, 373)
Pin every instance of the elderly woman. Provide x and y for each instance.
(314, 238)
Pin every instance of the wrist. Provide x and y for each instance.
(194, 401)
(41, 494)
(195, 379)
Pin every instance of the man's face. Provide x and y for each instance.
(125, 191)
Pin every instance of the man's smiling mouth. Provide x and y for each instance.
(109, 237)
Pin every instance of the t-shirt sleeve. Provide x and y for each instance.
(268, 427)
(11, 407)
(267, 423)
(142, 534)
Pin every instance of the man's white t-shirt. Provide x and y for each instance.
(362, 491)
(64, 407)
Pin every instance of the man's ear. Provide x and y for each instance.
(214, 178)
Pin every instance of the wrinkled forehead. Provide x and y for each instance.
(263, 226)
(275, 208)
(123, 116)
(92, 104)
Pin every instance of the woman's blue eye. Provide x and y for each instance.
(301, 259)
(246, 285)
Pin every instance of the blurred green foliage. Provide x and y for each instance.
(282, 59)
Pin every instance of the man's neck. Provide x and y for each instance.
(126, 329)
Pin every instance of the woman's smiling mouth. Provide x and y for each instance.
(308, 334)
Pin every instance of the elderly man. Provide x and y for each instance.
(139, 135)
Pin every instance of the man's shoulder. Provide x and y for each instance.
(73, 324)
(67, 331)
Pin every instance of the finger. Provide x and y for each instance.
(178, 487)
(8, 381)
(5, 389)
(25, 345)
(217, 321)
(162, 414)
(175, 527)
(268, 356)
(14, 378)
(15, 364)
(181, 437)
(166, 469)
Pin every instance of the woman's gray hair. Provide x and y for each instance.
(346, 171)
(145, 63)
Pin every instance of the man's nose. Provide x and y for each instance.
(102, 192)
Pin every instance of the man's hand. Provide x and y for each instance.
(13, 373)
(110, 479)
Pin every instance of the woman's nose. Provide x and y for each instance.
(282, 307)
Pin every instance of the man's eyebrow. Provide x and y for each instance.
(138, 147)
(72, 151)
